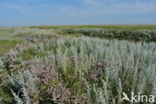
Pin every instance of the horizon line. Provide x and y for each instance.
(137, 24)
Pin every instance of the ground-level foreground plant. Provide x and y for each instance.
(80, 71)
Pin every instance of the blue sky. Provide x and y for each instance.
(73, 12)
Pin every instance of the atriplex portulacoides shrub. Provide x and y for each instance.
(81, 70)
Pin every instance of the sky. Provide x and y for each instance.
(76, 12)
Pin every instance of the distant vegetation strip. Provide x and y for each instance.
(137, 35)
(126, 32)
(127, 27)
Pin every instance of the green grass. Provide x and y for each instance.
(6, 45)
(5, 34)
(7, 40)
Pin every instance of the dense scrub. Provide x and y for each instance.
(82, 70)
(135, 35)
(116, 27)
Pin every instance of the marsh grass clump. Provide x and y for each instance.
(81, 70)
